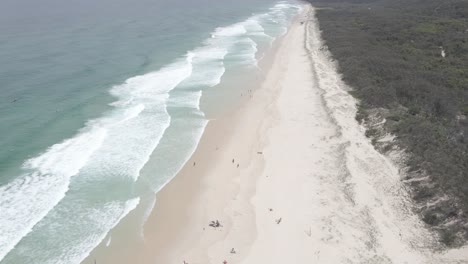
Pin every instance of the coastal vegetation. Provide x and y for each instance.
(407, 62)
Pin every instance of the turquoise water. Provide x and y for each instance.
(100, 108)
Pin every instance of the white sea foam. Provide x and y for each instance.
(253, 25)
(208, 66)
(102, 220)
(27, 199)
(130, 143)
(189, 99)
(230, 31)
(247, 54)
(195, 134)
(121, 141)
(243, 36)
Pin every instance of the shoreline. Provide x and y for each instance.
(121, 246)
(168, 224)
(290, 176)
(178, 220)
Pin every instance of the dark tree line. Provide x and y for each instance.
(391, 53)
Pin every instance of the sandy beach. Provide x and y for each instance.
(290, 177)
(234, 132)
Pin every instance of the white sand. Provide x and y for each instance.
(338, 199)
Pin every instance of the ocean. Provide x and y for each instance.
(103, 102)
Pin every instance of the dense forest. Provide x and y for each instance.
(407, 62)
